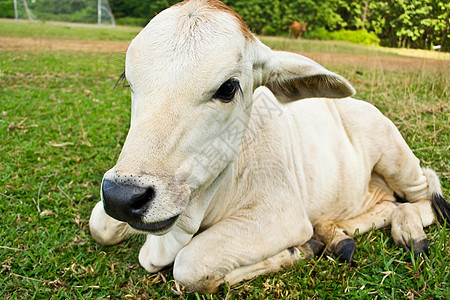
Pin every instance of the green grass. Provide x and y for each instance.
(305, 45)
(62, 126)
(66, 31)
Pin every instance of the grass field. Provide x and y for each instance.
(62, 126)
(65, 31)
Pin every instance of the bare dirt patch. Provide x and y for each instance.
(380, 62)
(374, 62)
(32, 45)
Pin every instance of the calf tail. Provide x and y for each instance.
(440, 207)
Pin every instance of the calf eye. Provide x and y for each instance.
(227, 91)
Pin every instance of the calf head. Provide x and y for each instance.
(192, 72)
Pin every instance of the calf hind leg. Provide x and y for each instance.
(421, 188)
(338, 234)
(408, 221)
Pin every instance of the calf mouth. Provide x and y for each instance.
(155, 228)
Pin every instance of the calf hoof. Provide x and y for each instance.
(418, 247)
(345, 250)
(316, 246)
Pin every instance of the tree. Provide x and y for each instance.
(398, 23)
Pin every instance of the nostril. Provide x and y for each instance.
(126, 202)
(142, 201)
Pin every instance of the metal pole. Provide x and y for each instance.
(99, 8)
(15, 10)
(111, 13)
(26, 9)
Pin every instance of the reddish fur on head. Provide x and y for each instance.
(218, 5)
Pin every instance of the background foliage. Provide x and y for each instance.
(6, 9)
(396, 23)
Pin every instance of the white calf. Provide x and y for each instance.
(228, 181)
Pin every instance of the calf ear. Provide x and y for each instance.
(293, 77)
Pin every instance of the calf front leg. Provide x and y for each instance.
(236, 249)
(106, 230)
(284, 259)
(160, 251)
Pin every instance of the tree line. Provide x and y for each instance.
(397, 23)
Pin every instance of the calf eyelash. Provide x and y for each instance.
(122, 82)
